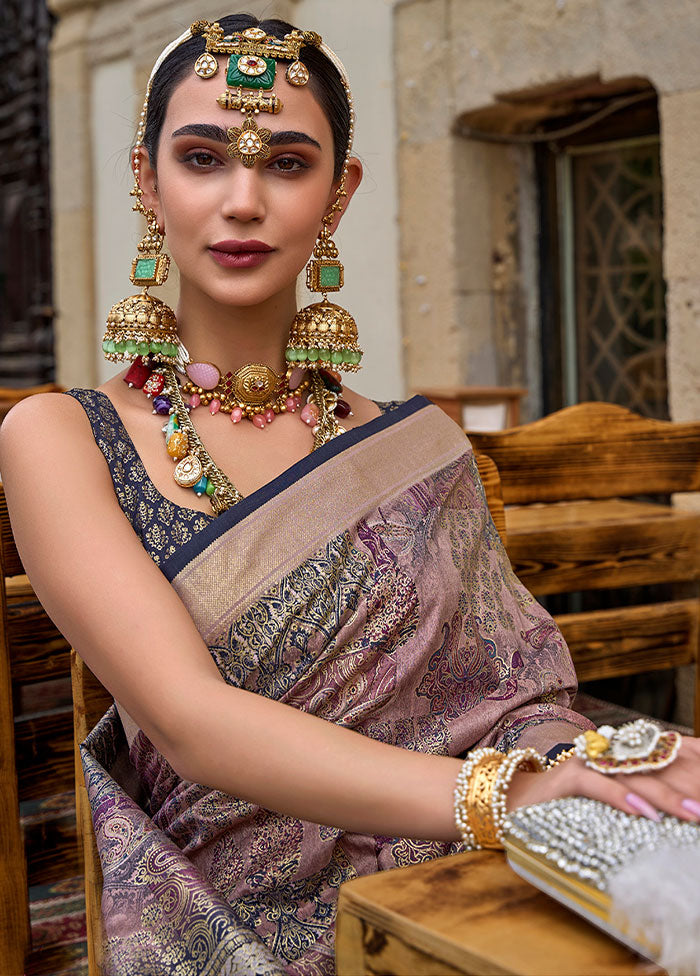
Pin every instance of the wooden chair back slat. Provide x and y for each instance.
(52, 847)
(44, 753)
(488, 472)
(90, 701)
(627, 640)
(602, 544)
(593, 450)
(10, 562)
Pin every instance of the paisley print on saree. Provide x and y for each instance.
(408, 627)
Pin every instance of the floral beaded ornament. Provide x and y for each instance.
(636, 747)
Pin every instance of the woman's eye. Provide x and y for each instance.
(201, 159)
(288, 164)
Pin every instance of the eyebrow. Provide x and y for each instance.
(215, 133)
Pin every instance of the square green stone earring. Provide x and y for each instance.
(150, 267)
(324, 335)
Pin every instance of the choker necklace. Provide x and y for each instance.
(194, 467)
(253, 392)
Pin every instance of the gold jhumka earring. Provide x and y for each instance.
(324, 335)
(142, 325)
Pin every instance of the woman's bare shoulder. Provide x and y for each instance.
(38, 416)
(47, 439)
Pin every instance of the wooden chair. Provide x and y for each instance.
(36, 755)
(488, 472)
(569, 483)
(90, 701)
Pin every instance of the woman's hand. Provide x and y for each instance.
(674, 789)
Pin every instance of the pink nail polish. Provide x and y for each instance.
(692, 806)
(639, 804)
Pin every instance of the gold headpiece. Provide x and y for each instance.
(250, 74)
(323, 335)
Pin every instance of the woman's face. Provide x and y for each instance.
(240, 235)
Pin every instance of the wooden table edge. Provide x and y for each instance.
(422, 938)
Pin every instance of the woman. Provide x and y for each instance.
(321, 570)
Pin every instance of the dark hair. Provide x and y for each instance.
(325, 83)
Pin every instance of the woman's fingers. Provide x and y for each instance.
(674, 789)
(670, 793)
(690, 746)
(583, 781)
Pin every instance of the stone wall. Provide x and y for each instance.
(469, 299)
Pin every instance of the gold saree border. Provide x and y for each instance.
(239, 566)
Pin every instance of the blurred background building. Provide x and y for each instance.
(530, 214)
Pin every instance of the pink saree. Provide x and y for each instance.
(368, 586)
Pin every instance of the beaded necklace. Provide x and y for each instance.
(194, 467)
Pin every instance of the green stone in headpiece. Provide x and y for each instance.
(250, 71)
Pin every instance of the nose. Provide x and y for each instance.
(244, 199)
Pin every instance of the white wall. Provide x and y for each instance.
(361, 34)
(113, 110)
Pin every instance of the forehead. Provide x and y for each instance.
(194, 100)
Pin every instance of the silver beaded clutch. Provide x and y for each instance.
(587, 855)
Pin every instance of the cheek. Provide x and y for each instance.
(306, 209)
(185, 214)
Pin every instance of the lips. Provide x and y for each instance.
(241, 247)
(240, 254)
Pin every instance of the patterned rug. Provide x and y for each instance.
(57, 915)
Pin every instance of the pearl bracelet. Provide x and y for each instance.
(481, 790)
(460, 794)
(527, 760)
(562, 757)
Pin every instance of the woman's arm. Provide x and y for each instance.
(114, 605)
(116, 608)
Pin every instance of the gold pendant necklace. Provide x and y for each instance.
(195, 468)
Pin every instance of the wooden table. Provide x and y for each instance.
(468, 914)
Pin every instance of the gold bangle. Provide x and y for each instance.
(461, 791)
(479, 801)
(481, 790)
